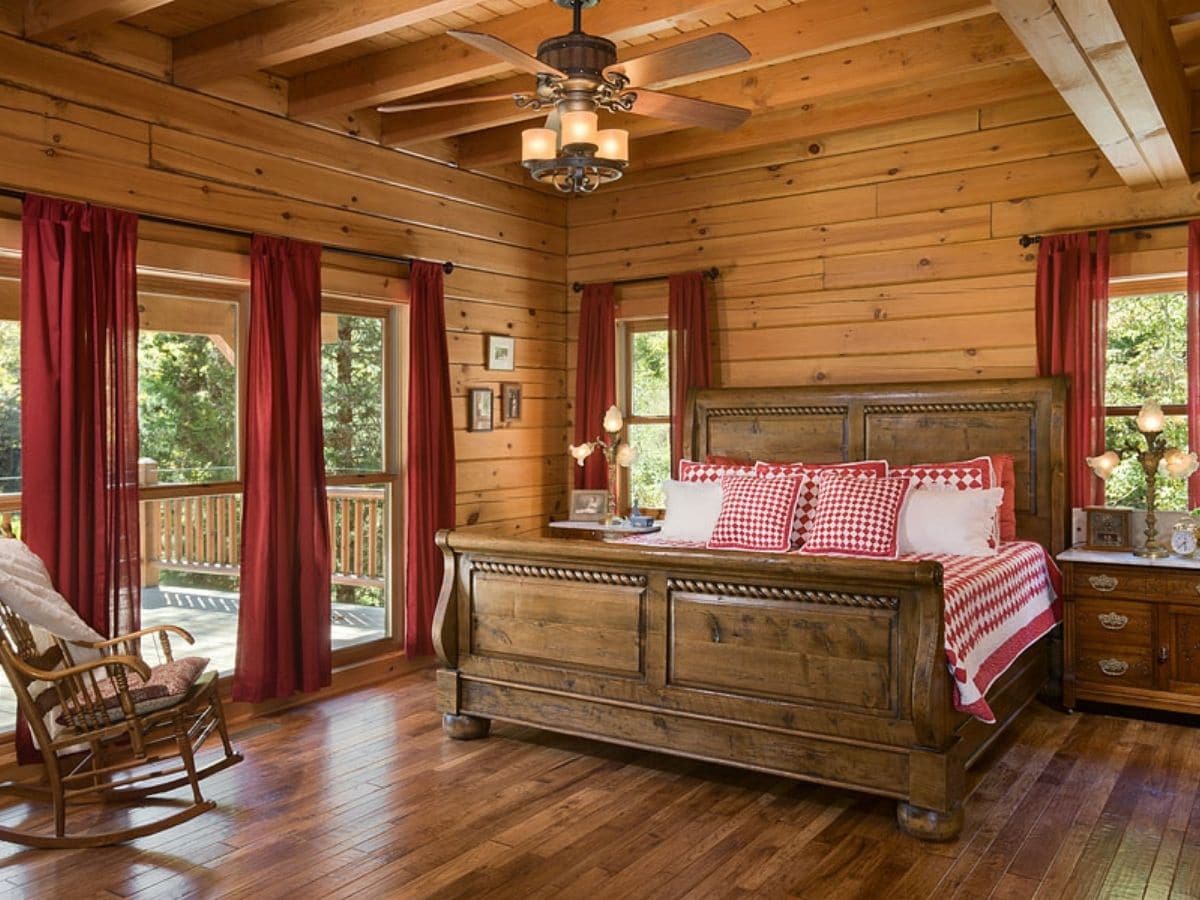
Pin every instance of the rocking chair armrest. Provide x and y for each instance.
(52, 675)
(134, 635)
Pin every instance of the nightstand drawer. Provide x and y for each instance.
(1115, 665)
(1109, 581)
(1184, 588)
(1107, 622)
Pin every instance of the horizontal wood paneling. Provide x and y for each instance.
(880, 254)
(75, 128)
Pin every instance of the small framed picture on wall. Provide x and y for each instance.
(480, 416)
(510, 401)
(501, 353)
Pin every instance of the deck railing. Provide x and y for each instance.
(203, 534)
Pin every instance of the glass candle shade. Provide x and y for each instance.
(579, 127)
(613, 143)
(1104, 464)
(538, 144)
(1150, 418)
(626, 455)
(613, 420)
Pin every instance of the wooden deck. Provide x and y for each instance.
(361, 796)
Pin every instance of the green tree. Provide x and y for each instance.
(10, 407)
(651, 395)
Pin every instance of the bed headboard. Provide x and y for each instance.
(902, 423)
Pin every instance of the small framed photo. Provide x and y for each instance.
(589, 506)
(501, 353)
(1109, 528)
(480, 416)
(510, 401)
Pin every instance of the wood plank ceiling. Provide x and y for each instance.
(817, 67)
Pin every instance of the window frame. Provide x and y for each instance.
(627, 331)
(395, 387)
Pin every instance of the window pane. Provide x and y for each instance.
(10, 407)
(187, 389)
(352, 386)
(358, 519)
(190, 555)
(1147, 350)
(650, 375)
(653, 465)
(1127, 484)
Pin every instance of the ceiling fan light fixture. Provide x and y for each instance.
(538, 144)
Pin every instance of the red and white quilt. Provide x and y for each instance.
(996, 607)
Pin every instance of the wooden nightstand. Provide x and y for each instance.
(1132, 630)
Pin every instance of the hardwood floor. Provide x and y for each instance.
(361, 795)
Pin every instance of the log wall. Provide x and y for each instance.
(75, 128)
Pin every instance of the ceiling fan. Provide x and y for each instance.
(579, 74)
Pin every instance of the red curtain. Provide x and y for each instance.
(1072, 339)
(595, 377)
(1193, 355)
(79, 418)
(283, 622)
(691, 356)
(431, 465)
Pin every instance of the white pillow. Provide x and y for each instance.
(947, 520)
(692, 510)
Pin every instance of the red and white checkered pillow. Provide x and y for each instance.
(977, 474)
(857, 517)
(697, 471)
(756, 514)
(810, 479)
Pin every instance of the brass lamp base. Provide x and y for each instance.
(1154, 551)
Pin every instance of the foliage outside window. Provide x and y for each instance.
(10, 407)
(1147, 359)
(647, 381)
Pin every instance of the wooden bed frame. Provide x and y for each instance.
(824, 669)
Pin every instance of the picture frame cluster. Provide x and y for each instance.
(481, 409)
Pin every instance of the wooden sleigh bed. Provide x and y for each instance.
(830, 670)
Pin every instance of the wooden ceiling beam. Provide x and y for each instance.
(293, 30)
(54, 19)
(785, 33)
(890, 46)
(442, 62)
(849, 111)
(1116, 65)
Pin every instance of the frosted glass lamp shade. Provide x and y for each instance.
(538, 143)
(1150, 418)
(579, 127)
(613, 143)
(613, 420)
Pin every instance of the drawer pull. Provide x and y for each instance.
(1114, 668)
(1104, 583)
(1113, 621)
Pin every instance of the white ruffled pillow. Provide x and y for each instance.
(942, 519)
(692, 510)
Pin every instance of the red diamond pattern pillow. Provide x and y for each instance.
(810, 478)
(857, 517)
(966, 475)
(756, 514)
(696, 471)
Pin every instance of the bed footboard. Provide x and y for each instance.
(826, 670)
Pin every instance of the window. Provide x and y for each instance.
(189, 357)
(646, 391)
(358, 379)
(10, 447)
(1146, 359)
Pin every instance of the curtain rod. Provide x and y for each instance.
(711, 274)
(447, 266)
(1028, 240)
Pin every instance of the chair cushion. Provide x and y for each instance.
(167, 685)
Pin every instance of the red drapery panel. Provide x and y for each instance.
(1193, 355)
(1072, 340)
(283, 622)
(431, 465)
(691, 357)
(79, 419)
(595, 377)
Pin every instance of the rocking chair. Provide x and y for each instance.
(109, 728)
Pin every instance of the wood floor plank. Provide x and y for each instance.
(362, 796)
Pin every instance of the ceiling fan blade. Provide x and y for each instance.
(702, 113)
(700, 55)
(437, 104)
(518, 59)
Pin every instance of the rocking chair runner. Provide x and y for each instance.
(105, 744)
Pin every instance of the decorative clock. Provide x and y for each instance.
(1109, 528)
(1183, 538)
